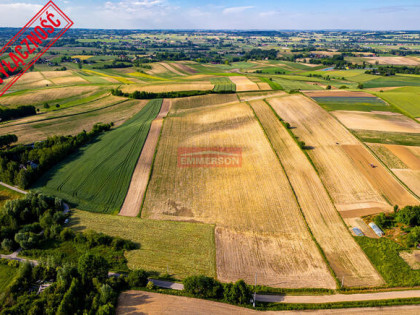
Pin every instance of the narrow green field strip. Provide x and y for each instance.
(223, 85)
(365, 104)
(70, 115)
(98, 176)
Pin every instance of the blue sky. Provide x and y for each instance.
(218, 14)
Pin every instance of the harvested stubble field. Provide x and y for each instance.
(137, 189)
(73, 120)
(180, 104)
(47, 95)
(183, 66)
(378, 121)
(184, 248)
(398, 61)
(172, 69)
(379, 177)
(250, 96)
(350, 190)
(259, 224)
(404, 161)
(169, 87)
(244, 84)
(98, 176)
(343, 254)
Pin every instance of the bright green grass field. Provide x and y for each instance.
(384, 255)
(6, 277)
(365, 104)
(395, 80)
(182, 247)
(296, 85)
(223, 85)
(98, 176)
(405, 99)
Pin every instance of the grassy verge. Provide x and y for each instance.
(183, 248)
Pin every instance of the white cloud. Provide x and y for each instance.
(235, 10)
(131, 6)
(269, 13)
(17, 14)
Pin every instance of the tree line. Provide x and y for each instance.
(19, 112)
(174, 94)
(24, 164)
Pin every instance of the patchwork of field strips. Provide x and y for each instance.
(404, 161)
(97, 178)
(259, 224)
(379, 121)
(223, 85)
(117, 78)
(244, 84)
(135, 194)
(41, 96)
(73, 120)
(352, 193)
(343, 254)
(172, 87)
(181, 248)
(289, 85)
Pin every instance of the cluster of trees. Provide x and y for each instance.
(19, 112)
(209, 288)
(7, 140)
(261, 54)
(84, 288)
(115, 65)
(408, 218)
(27, 221)
(150, 95)
(392, 70)
(23, 165)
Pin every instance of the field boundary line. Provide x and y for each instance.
(380, 161)
(328, 193)
(152, 167)
(321, 251)
(71, 115)
(155, 120)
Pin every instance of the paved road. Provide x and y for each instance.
(298, 299)
(260, 297)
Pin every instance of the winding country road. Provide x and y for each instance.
(297, 299)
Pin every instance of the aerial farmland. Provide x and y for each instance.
(281, 163)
